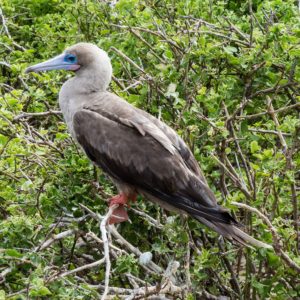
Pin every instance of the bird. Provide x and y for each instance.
(140, 153)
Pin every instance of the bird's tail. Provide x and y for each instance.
(213, 216)
(232, 232)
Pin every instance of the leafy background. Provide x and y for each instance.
(224, 74)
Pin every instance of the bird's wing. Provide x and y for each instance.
(134, 155)
(179, 144)
(139, 122)
(108, 103)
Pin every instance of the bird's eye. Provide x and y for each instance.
(70, 58)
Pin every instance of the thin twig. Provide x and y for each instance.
(282, 109)
(276, 240)
(268, 131)
(151, 48)
(273, 115)
(106, 247)
(3, 274)
(234, 178)
(237, 30)
(120, 53)
(79, 269)
(4, 23)
(151, 220)
(39, 114)
(54, 238)
(121, 241)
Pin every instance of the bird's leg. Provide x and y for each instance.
(132, 198)
(120, 214)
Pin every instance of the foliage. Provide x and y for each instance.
(215, 71)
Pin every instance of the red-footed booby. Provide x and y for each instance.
(140, 153)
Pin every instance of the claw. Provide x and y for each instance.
(120, 213)
(119, 199)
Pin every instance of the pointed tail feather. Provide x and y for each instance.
(232, 232)
(213, 216)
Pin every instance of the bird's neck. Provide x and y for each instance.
(79, 89)
(82, 88)
(87, 81)
(75, 93)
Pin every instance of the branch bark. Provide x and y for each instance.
(276, 239)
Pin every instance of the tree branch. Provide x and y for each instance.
(276, 239)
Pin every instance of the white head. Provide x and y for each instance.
(89, 62)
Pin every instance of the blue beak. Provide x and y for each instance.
(56, 63)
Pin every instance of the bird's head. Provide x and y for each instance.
(86, 59)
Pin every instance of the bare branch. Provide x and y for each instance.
(39, 114)
(273, 115)
(4, 23)
(3, 274)
(54, 238)
(276, 240)
(268, 131)
(151, 220)
(7, 31)
(106, 248)
(282, 109)
(130, 61)
(121, 241)
(79, 269)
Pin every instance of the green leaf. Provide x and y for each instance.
(42, 291)
(230, 49)
(13, 253)
(254, 147)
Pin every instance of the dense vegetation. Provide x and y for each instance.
(225, 75)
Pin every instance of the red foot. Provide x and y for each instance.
(119, 199)
(120, 214)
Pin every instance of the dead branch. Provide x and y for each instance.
(54, 238)
(4, 25)
(268, 131)
(79, 269)
(3, 274)
(106, 247)
(123, 242)
(282, 109)
(149, 219)
(166, 288)
(273, 115)
(154, 268)
(39, 114)
(276, 239)
(131, 62)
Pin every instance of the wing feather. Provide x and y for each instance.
(129, 116)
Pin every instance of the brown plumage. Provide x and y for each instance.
(139, 152)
